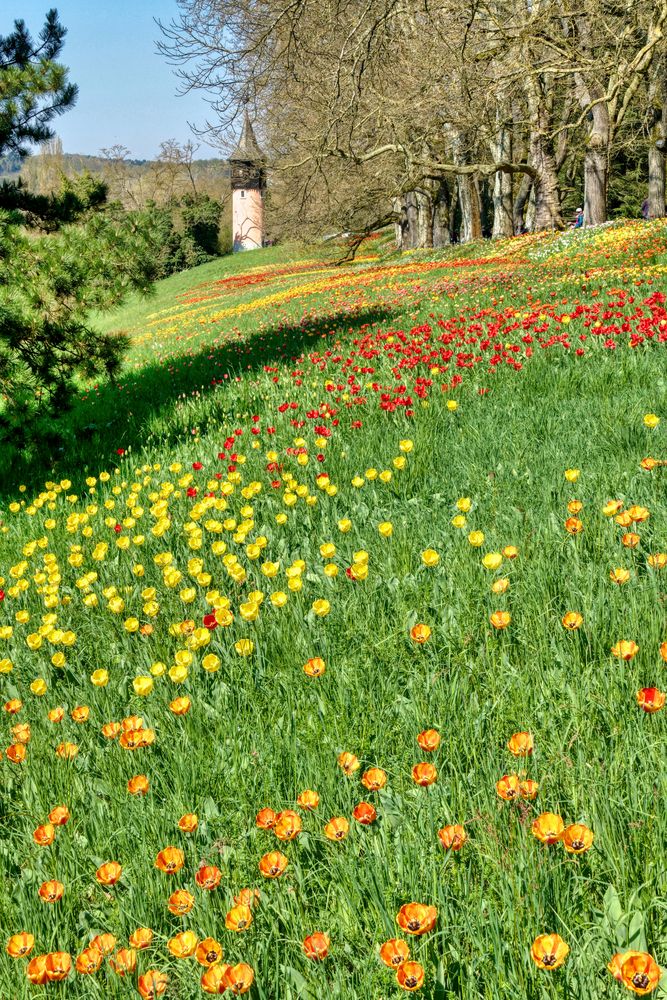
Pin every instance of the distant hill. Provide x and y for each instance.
(131, 181)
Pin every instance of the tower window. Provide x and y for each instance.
(243, 194)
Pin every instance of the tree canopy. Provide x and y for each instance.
(34, 87)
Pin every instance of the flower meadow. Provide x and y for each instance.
(333, 654)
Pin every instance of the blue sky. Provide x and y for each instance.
(127, 92)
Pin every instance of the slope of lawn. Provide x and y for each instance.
(324, 511)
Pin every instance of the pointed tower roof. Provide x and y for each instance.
(247, 150)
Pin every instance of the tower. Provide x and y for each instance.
(248, 178)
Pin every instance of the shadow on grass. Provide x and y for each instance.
(128, 414)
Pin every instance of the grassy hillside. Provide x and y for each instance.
(394, 534)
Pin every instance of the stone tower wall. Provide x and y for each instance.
(247, 219)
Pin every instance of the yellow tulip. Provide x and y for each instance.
(142, 685)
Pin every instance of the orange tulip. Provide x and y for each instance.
(16, 753)
(20, 945)
(521, 744)
(548, 828)
(170, 860)
(615, 965)
(239, 918)
(623, 519)
(288, 825)
(152, 984)
(308, 800)
(420, 633)
(59, 815)
(273, 864)
(56, 714)
(89, 961)
(572, 620)
(213, 980)
(424, 774)
(619, 575)
(314, 667)
(528, 789)
(500, 619)
(208, 877)
(416, 918)
(640, 973)
(630, 540)
(508, 787)
(208, 952)
(265, 819)
(80, 713)
(51, 891)
(67, 751)
(577, 838)
(656, 561)
(109, 873)
(429, 740)
(44, 835)
(638, 514)
(13, 706)
(104, 943)
(188, 823)
(36, 970)
(573, 526)
(141, 938)
(124, 962)
(337, 828)
(348, 762)
(663, 651)
(364, 813)
(650, 699)
(183, 945)
(394, 952)
(136, 739)
(180, 706)
(410, 976)
(453, 837)
(574, 506)
(180, 902)
(549, 951)
(625, 649)
(21, 733)
(239, 978)
(58, 966)
(316, 946)
(373, 779)
(111, 730)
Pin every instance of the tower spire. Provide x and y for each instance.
(248, 180)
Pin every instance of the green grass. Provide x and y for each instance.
(259, 730)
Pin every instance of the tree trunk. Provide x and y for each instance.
(440, 233)
(524, 193)
(503, 221)
(596, 168)
(658, 135)
(471, 222)
(546, 188)
(415, 225)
